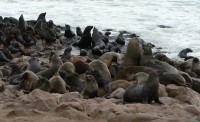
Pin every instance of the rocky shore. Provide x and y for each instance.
(50, 73)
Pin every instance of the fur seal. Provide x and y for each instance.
(68, 32)
(91, 87)
(67, 54)
(105, 37)
(163, 57)
(55, 64)
(73, 81)
(28, 81)
(145, 93)
(128, 73)
(44, 84)
(34, 65)
(68, 68)
(133, 53)
(183, 53)
(97, 41)
(83, 52)
(120, 40)
(171, 78)
(101, 67)
(42, 18)
(110, 57)
(101, 80)
(112, 86)
(79, 31)
(58, 85)
(22, 24)
(86, 39)
(141, 77)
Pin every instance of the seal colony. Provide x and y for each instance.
(37, 54)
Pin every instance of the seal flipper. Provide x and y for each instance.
(158, 101)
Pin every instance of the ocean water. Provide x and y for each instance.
(138, 16)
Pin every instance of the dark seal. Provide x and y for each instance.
(145, 93)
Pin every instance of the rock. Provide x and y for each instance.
(38, 94)
(174, 90)
(140, 117)
(74, 114)
(44, 104)
(70, 97)
(162, 90)
(192, 109)
(184, 94)
(75, 105)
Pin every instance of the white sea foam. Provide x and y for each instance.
(139, 16)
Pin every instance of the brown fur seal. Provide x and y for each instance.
(101, 80)
(55, 64)
(34, 65)
(133, 53)
(58, 85)
(86, 39)
(186, 66)
(101, 67)
(171, 78)
(163, 57)
(110, 57)
(44, 84)
(22, 24)
(73, 81)
(112, 86)
(96, 38)
(160, 65)
(141, 77)
(145, 93)
(128, 73)
(91, 87)
(29, 81)
(67, 67)
(183, 53)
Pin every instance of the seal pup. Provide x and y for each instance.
(68, 32)
(145, 93)
(55, 64)
(34, 65)
(183, 53)
(129, 72)
(86, 39)
(28, 81)
(91, 87)
(73, 81)
(105, 37)
(101, 80)
(67, 54)
(58, 85)
(163, 57)
(22, 24)
(96, 39)
(120, 39)
(43, 84)
(79, 31)
(112, 86)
